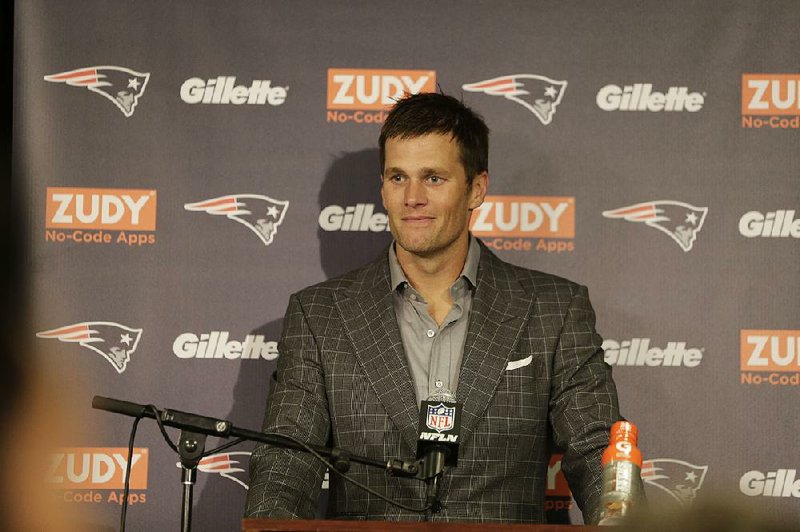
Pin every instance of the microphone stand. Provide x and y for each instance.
(195, 428)
(431, 473)
(432, 494)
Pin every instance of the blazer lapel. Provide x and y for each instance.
(500, 310)
(369, 319)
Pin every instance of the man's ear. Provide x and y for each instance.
(477, 192)
(383, 201)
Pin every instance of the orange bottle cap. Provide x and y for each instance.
(624, 430)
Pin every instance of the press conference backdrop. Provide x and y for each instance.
(189, 165)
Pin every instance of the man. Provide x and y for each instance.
(437, 312)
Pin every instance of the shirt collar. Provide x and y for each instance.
(469, 272)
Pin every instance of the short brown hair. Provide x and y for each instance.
(421, 114)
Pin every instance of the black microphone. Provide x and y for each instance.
(170, 418)
(437, 446)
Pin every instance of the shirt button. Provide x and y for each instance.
(439, 384)
(431, 333)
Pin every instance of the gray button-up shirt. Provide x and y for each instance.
(434, 353)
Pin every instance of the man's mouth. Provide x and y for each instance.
(417, 219)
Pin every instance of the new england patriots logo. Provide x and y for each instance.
(260, 214)
(679, 220)
(225, 465)
(122, 86)
(114, 342)
(679, 479)
(538, 94)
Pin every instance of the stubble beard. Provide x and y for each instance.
(426, 245)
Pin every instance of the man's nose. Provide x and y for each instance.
(414, 193)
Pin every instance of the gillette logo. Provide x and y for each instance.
(358, 217)
(215, 344)
(223, 90)
(642, 97)
(637, 352)
(776, 224)
(780, 483)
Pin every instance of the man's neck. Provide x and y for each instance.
(432, 276)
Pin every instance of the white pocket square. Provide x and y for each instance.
(521, 363)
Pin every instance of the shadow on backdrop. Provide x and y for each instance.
(353, 178)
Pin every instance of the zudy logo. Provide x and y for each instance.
(101, 216)
(97, 474)
(558, 496)
(770, 357)
(97, 468)
(523, 223)
(363, 96)
(771, 101)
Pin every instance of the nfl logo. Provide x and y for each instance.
(440, 418)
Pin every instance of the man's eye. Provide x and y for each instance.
(434, 179)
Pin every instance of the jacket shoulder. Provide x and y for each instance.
(354, 280)
(533, 280)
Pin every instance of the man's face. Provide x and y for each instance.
(425, 193)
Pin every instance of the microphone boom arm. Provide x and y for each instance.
(225, 429)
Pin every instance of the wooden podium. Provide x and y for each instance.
(273, 525)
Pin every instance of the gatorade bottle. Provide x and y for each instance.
(622, 474)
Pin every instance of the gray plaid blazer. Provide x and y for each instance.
(343, 380)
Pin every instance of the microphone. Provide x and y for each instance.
(437, 446)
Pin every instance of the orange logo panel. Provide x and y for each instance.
(771, 94)
(556, 482)
(770, 350)
(525, 216)
(97, 468)
(370, 89)
(101, 208)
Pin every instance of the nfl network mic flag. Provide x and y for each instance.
(440, 423)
